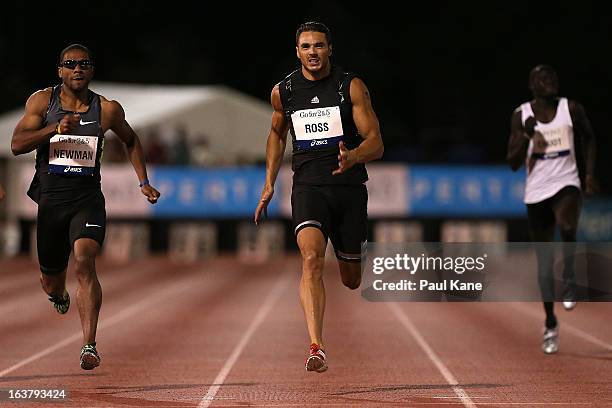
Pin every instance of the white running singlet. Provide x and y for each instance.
(555, 165)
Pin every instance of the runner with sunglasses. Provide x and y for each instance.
(66, 125)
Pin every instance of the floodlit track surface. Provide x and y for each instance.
(221, 333)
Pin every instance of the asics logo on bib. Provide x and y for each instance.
(318, 142)
(69, 169)
(87, 123)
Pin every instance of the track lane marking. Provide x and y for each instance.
(260, 316)
(446, 373)
(145, 303)
(565, 327)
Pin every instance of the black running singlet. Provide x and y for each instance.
(68, 165)
(320, 115)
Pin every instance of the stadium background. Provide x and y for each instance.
(444, 80)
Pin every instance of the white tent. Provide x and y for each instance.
(235, 124)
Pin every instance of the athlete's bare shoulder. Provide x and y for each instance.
(275, 98)
(111, 107)
(358, 83)
(39, 100)
(113, 114)
(109, 103)
(359, 91)
(574, 106)
(46, 92)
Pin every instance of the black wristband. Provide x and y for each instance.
(144, 182)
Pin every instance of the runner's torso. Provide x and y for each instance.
(555, 165)
(68, 165)
(320, 115)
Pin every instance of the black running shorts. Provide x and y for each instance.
(60, 224)
(542, 215)
(339, 211)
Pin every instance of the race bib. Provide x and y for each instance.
(71, 154)
(317, 128)
(558, 143)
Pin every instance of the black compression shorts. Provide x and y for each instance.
(339, 211)
(61, 223)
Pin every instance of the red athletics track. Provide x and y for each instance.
(224, 334)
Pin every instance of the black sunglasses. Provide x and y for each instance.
(71, 64)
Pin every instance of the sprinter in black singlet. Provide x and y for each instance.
(66, 125)
(334, 131)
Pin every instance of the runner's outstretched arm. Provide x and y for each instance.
(29, 133)
(518, 142)
(135, 153)
(275, 149)
(583, 127)
(365, 119)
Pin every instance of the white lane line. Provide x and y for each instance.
(564, 326)
(130, 311)
(116, 280)
(263, 311)
(446, 373)
(412, 404)
(42, 353)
